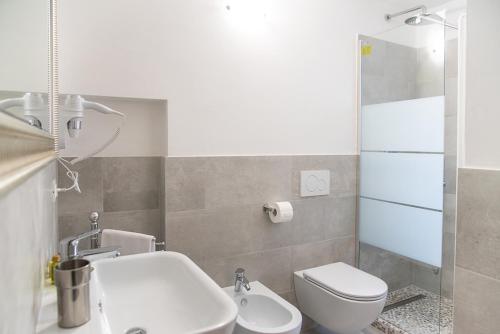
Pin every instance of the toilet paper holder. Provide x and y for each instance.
(267, 209)
(279, 212)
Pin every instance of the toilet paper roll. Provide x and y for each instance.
(282, 212)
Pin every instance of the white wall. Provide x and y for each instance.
(24, 29)
(238, 83)
(142, 134)
(482, 119)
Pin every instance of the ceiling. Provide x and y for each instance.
(404, 4)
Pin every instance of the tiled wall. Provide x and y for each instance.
(477, 283)
(127, 192)
(214, 211)
(215, 216)
(394, 72)
(389, 73)
(28, 242)
(397, 271)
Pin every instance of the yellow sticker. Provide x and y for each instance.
(366, 50)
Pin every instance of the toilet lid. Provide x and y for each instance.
(347, 281)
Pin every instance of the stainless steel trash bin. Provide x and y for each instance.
(72, 281)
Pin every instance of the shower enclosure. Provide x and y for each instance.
(407, 136)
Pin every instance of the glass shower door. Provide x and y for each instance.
(400, 207)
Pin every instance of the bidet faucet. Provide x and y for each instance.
(240, 279)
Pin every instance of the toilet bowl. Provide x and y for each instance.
(261, 311)
(339, 297)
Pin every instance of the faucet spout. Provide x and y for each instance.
(240, 280)
(69, 246)
(246, 284)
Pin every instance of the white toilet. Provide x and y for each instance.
(339, 297)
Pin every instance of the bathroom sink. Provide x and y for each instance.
(161, 292)
(261, 311)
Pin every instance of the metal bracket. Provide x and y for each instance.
(267, 209)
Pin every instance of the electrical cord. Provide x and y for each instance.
(100, 149)
(72, 175)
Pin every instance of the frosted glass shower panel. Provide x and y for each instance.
(401, 177)
(410, 125)
(407, 178)
(411, 232)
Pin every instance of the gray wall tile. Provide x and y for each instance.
(222, 232)
(128, 193)
(244, 180)
(389, 73)
(213, 211)
(185, 181)
(310, 219)
(268, 235)
(315, 254)
(74, 224)
(140, 221)
(271, 267)
(131, 183)
(91, 183)
(372, 64)
(425, 278)
(478, 229)
(477, 270)
(395, 270)
(215, 216)
(430, 88)
(211, 234)
(477, 303)
(339, 217)
(430, 73)
(214, 182)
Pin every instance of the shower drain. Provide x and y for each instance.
(136, 330)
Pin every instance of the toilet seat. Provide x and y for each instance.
(348, 282)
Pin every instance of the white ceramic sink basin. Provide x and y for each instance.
(261, 311)
(162, 292)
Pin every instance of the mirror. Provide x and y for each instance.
(24, 60)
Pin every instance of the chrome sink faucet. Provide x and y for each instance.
(68, 247)
(240, 280)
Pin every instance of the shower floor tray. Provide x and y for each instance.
(421, 316)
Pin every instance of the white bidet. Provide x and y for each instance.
(261, 311)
